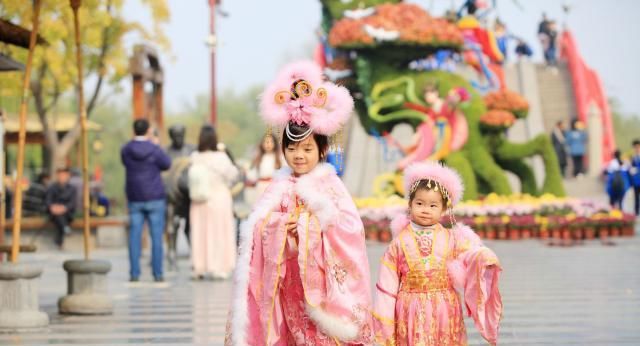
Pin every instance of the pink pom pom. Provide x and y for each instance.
(326, 109)
(339, 106)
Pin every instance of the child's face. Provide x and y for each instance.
(268, 145)
(431, 96)
(426, 208)
(302, 156)
(637, 148)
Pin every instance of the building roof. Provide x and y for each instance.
(16, 35)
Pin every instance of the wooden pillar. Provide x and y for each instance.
(158, 107)
(139, 98)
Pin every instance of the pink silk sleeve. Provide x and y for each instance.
(385, 298)
(334, 264)
(481, 273)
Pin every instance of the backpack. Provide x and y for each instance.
(617, 182)
(199, 181)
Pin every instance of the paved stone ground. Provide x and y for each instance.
(581, 295)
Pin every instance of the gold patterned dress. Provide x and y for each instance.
(416, 302)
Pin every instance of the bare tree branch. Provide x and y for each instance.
(36, 88)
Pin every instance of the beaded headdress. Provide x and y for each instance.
(438, 177)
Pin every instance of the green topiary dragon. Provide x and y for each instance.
(388, 92)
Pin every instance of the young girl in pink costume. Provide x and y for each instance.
(302, 276)
(416, 299)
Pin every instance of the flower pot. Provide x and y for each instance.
(556, 233)
(481, 233)
(384, 236)
(371, 233)
(578, 234)
(604, 233)
(615, 231)
(514, 234)
(490, 233)
(526, 233)
(502, 234)
(566, 233)
(543, 234)
(589, 233)
(627, 231)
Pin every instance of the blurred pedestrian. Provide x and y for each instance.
(144, 159)
(61, 203)
(576, 140)
(213, 230)
(617, 180)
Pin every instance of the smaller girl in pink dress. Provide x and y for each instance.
(416, 300)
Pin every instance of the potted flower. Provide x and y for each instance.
(501, 226)
(577, 228)
(480, 223)
(628, 226)
(589, 229)
(384, 231)
(491, 227)
(543, 232)
(527, 225)
(515, 227)
(555, 227)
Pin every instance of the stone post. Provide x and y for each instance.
(19, 307)
(86, 288)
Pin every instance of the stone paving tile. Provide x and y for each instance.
(581, 295)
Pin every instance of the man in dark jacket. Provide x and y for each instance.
(559, 145)
(61, 203)
(144, 160)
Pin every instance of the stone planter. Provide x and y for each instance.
(86, 288)
(19, 306)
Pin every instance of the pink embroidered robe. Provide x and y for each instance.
(315, 292)
(416, 301)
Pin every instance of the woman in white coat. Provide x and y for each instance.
(213, 229)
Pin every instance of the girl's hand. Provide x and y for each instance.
(292, 228)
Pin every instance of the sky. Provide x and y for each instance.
(259, 36)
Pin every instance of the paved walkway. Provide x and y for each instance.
(582, 295)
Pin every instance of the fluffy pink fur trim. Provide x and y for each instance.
(318, 202)
(433, 170)
(332, 325)
(324, 117)
(336, 113)
(399, 223)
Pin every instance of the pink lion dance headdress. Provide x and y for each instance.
(300, 95)
(444, 179)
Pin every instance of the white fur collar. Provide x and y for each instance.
(321, 170)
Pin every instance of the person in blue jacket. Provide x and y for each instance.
(576, 141)
(143, 160)
(635, 175)
(617, 180)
